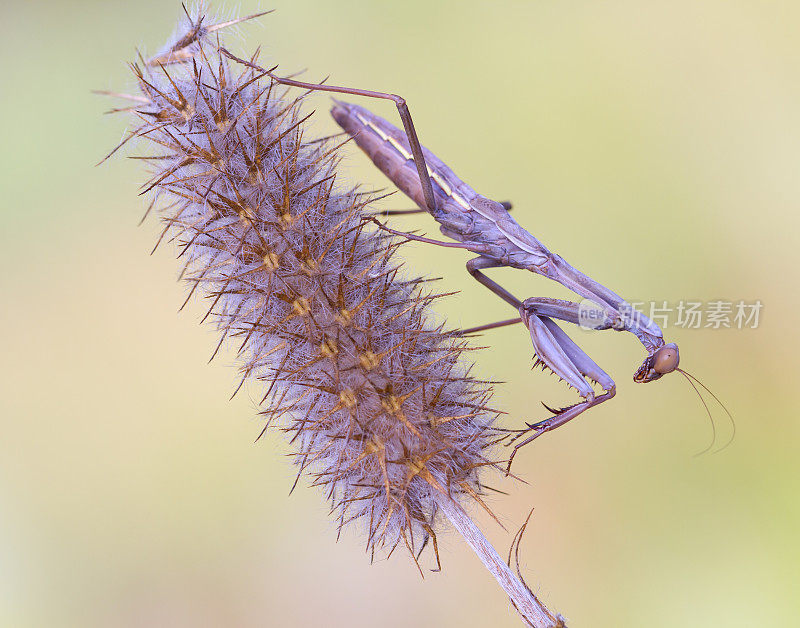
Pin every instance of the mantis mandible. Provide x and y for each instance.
(485, 227)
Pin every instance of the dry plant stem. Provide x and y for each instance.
(531, 609)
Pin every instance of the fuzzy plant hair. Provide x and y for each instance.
(374, 394)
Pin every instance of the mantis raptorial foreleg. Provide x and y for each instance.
(553, 347)
(575, 313)
(559, 353)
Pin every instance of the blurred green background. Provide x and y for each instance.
(654, 145)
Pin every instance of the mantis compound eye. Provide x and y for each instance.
(666, 359)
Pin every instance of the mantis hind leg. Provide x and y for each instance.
(399, 101)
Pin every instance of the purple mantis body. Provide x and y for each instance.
(485, 227)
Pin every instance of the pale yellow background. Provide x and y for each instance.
(655, 145)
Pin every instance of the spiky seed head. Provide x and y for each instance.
(374, 396)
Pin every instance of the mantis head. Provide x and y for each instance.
(662, 361)
(665, 360)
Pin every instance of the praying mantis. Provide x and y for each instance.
(486, 228)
